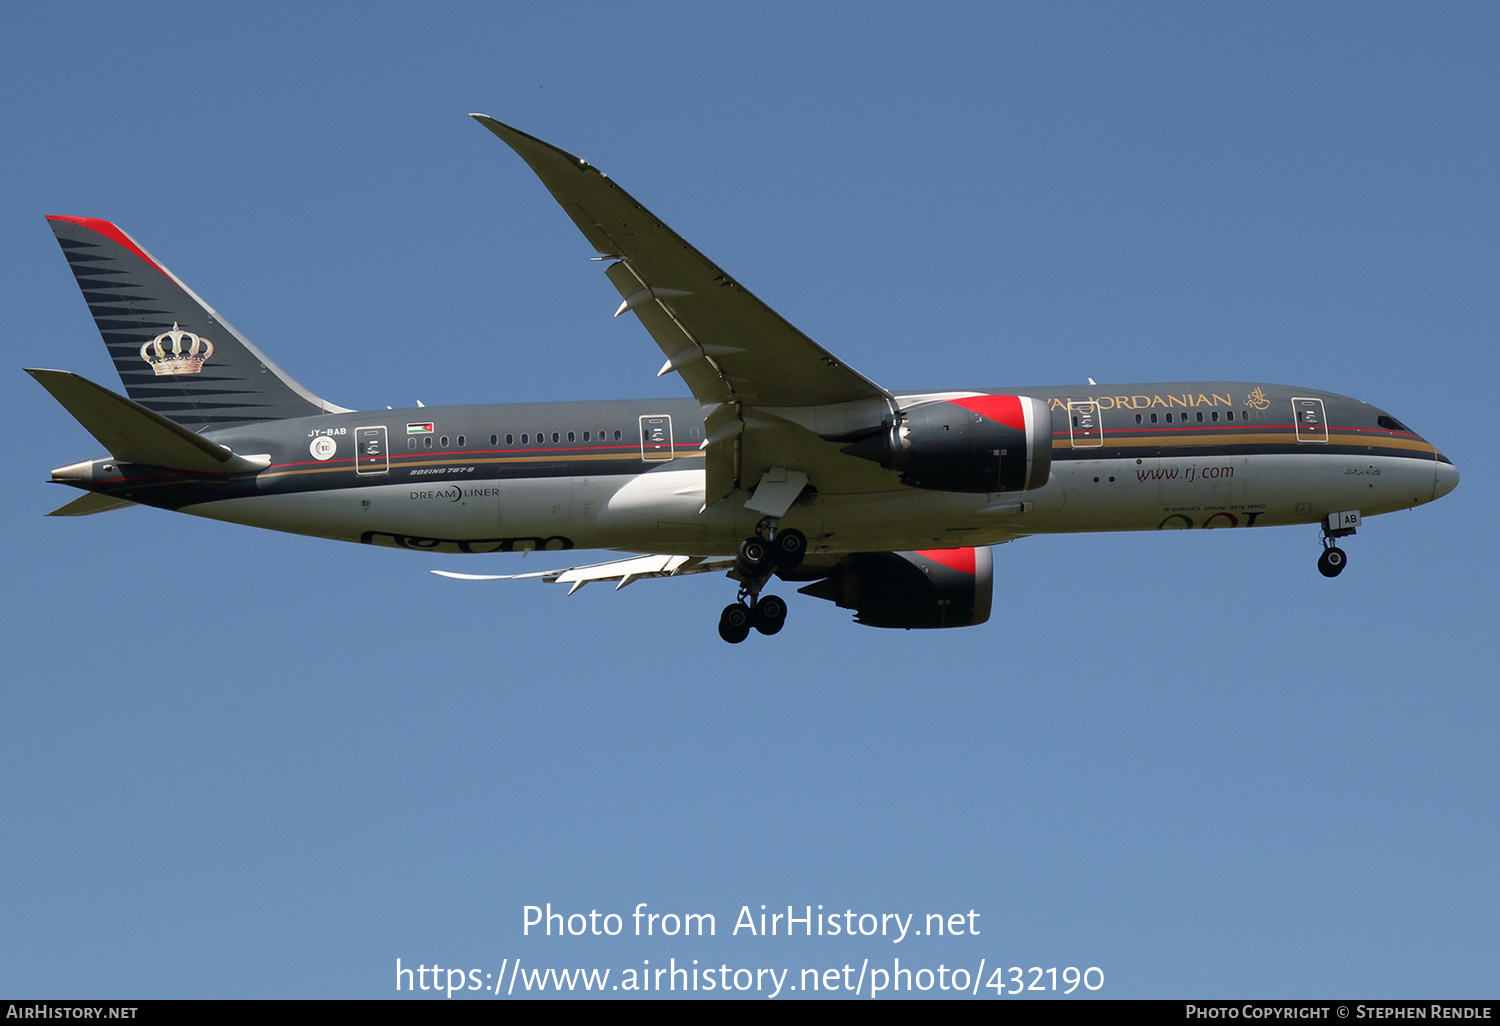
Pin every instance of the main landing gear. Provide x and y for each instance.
(767, 616)
(758, 557)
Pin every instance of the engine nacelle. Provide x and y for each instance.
(983, 443)
(928, 589)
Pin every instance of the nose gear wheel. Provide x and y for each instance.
(1332, 562)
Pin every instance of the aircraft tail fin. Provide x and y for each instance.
(175, 355)
(134, 434)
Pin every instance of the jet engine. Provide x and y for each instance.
(928, 589)
(984, 443)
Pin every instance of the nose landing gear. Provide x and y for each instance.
(757, 558)
(1338, 525)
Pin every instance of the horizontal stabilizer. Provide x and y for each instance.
(92, 502)
(133, 434)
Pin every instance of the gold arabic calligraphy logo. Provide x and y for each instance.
(1257, 399)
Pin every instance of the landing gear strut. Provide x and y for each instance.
(758, 557)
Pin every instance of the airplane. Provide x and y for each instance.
(785, 462)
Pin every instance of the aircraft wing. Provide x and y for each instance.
(765, 386)
(626, 571)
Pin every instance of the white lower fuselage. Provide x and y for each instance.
(661, 510)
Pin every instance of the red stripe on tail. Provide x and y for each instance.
(114, 234)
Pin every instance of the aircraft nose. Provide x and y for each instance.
(1447, 480)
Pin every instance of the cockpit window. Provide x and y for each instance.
(1391, 424)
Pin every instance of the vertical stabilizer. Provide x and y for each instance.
(175, 355)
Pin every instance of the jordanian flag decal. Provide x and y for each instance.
(419, 429)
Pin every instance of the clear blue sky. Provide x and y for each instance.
(237, 763)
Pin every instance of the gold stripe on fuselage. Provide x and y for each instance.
(1138, 439)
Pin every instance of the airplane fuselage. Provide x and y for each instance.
(785, 464)
(628, 474)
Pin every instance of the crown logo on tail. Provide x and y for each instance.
(172, 359)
